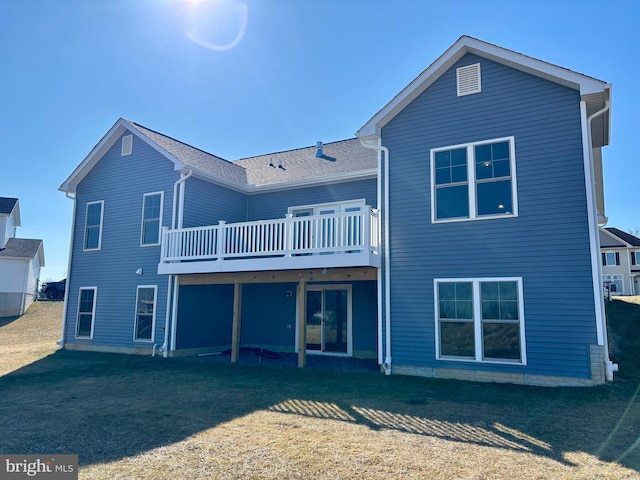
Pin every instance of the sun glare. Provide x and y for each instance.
(217, 25)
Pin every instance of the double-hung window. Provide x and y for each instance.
(474, 180)
(610, 259)
(93, 226)
(635, 258)
(86, 312)
(145, 313)
(151, 218)
(480, 320)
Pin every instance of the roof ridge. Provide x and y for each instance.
(180, 142)
(324, 144)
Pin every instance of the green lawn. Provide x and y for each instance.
(132, 417)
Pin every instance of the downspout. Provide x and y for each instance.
(386, 365)
(601, 317)
(63, 335)
(24, 289)
(178, 200)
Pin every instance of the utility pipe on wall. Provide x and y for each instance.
(610, 367)
(178, 200)
(387, 275)
(66, 286)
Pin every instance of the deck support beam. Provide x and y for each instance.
(237, 322)
(302, 324)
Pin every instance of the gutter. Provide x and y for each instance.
(601, 318)
(386, 365)
(66, 285)
(177, 204)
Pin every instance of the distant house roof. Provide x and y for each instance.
(624, 236)
(341, 160)
(23, 248)
(7, 204)
(595, 92)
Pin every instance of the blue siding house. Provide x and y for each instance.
(455, 237)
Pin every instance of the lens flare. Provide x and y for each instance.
(217, 25)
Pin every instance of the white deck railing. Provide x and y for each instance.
(340, 233)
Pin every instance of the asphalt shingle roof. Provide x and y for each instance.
(194, 157)
(20, 248)
(627, 237)
(7, 204)
(343, 157)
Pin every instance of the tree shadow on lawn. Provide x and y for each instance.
(106, 407)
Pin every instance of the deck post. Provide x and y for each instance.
(302, 324)
(220, 240)
(237, 322)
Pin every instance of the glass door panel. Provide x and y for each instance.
(314, 320)
(335, 321)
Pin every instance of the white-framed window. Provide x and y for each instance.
(86, 312)
(474, 181)
(145, 323)
(127, 145)
(151, 218)
(635, 258)
(610, 259)
(480, 320)
(615, 284)
(93, 225)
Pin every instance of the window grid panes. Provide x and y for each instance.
(480, 320)
(93, 225)
(151, 212)
(86, 302)
(473, 181)
(145, 306)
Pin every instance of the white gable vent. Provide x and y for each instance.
(468, 79)
(127, 145)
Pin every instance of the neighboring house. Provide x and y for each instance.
(620, 252)
(20, 262)
(456, 237)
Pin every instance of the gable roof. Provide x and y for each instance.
(23, 248)
(341, 160)
(626, 238)
(9, 205)
(595, 92)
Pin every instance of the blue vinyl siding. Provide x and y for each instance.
(207, 203)
(276, 204)
(547, 245)
(269, 315)
(121, 183)
(205, 316)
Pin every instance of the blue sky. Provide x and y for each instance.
(245, 77)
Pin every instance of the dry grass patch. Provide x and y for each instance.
(30, 337)
(131, 417)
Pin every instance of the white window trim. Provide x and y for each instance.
(126, 147)
(611, 277)
(636, 254)
(86, 216)
(477, 320)
(153, 317)
(161, 193)
(471, 180)
(606, 259)
(93, 312)
(338, 206)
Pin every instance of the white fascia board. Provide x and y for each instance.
(107, 141)
(465, 44)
